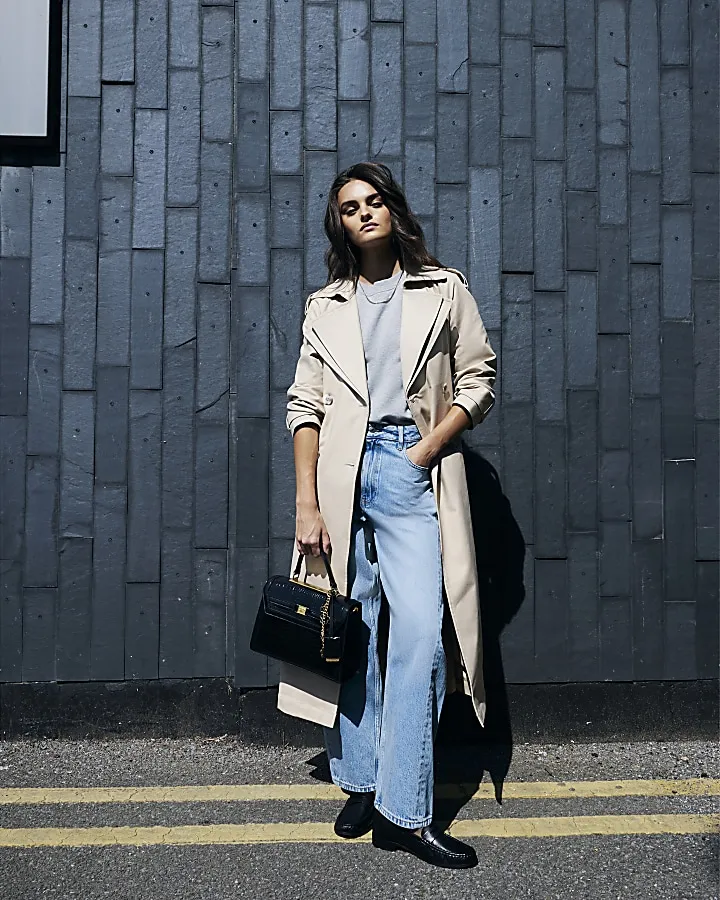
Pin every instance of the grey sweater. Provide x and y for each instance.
(380, 308)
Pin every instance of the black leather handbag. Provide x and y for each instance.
(317, 629)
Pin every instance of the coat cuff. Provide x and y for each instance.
(473, 409)
(294, 422)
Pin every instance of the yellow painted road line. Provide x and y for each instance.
(322, 832)
(244, 793)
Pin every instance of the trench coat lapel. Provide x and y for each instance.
(424, 311)
(337, 335)
(340, 343)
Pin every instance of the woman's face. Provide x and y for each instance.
(361, 205)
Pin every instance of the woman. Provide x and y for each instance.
(395, 363)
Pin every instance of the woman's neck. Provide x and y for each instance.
(377, 267)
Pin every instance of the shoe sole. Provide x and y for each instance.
(434, 860)
(355, 834)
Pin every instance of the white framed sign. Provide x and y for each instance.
(30, 62)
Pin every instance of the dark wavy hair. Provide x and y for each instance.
(407, 234)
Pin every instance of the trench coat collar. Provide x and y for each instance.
(337, 334)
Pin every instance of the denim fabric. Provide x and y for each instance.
(383, 737)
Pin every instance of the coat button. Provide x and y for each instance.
(328, 399)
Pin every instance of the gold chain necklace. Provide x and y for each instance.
(379, 302)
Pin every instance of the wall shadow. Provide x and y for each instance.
(464, 749)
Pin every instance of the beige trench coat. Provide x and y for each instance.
(446, 358)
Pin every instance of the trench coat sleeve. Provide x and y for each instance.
(305, 394)
(473, 360)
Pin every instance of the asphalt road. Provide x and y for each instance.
(286, 847)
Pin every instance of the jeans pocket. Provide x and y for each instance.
(413, 464)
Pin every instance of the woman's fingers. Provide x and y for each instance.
(310, 532)
(314, 541)
(326, 540)
(309, 545)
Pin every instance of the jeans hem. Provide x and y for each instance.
(355, 788)
(400, 821)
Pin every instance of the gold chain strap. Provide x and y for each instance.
(324, 616)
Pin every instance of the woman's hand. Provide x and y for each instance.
(422, 453)
(310, 530)
(443, 436)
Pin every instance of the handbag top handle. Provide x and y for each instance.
(331, 577)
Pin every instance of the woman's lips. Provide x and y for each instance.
(369, 225)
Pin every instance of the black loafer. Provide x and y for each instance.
(432, 844)
(356, 816)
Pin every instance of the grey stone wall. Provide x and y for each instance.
(565, 157)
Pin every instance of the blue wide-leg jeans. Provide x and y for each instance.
(383, 737)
